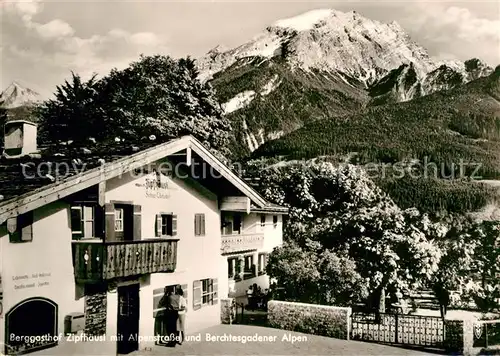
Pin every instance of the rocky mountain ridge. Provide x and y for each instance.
(351, 45)
(17, 95)
(319, 55)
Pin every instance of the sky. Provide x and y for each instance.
(41, 42)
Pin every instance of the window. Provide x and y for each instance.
(160, 300)
(119, 213)
(123, 221)
(166, 225)
(233, 268)
(237, 223)
(207, 291)
(22, 228)
(262, 263)
(226, 225)
(204, 293)
(262, 220)
(249, 268)
(199, 225)
(275, 221)
(83, 221)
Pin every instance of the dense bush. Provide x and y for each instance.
(310, 318)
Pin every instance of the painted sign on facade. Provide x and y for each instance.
(156, 186)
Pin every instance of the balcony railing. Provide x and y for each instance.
(99, 261)
(243, 242)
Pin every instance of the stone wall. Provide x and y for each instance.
(95, 313)
(454, 335)
(310, 318)
(228, 310)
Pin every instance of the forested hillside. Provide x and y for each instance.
(455, 134)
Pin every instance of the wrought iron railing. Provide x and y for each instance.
(99, 261)
(414, 330)
(242, 242)
(487, 333)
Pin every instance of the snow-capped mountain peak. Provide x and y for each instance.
(16, 95)
(329, 40)
(305, 21)
(379, 56)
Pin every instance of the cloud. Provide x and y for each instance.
(26, 9)
(55, 29)
(55, 46)
(453, 29)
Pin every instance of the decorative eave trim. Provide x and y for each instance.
(226, 172)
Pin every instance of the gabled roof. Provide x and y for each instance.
(24, 191)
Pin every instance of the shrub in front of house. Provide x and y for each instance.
(309, 318)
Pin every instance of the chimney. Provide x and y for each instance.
(19, 138)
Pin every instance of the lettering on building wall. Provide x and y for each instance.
(33, 280)
(156, 186)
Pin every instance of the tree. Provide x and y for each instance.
(155, 95)
(311, 274)
(486, 265)
(72, 114)
(349, 217)
(468, 270)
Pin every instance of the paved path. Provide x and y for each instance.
(279, 342)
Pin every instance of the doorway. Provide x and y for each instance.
(128, 319)
(33, 317)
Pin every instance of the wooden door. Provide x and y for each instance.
(128, 319)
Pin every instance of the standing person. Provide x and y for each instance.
(250, 297)
(173, 302)
(181, 320)
(169, 328)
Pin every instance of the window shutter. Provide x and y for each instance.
(158, 225)
(14, 229)
(99, 221)
(27, 229)
(76, 222)
(137, 223)
(109, 222)
(23, 231)
(203, 224)
(174, 225)
(197, 295)
(196, 225)
(215, 287)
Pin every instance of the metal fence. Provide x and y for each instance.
(487, 333)
(411, 330)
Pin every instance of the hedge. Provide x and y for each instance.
(310, 318)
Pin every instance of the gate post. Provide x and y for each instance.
(468, 337)
(396, 323)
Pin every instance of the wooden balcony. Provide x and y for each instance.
(96, 261)
(242, 242)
